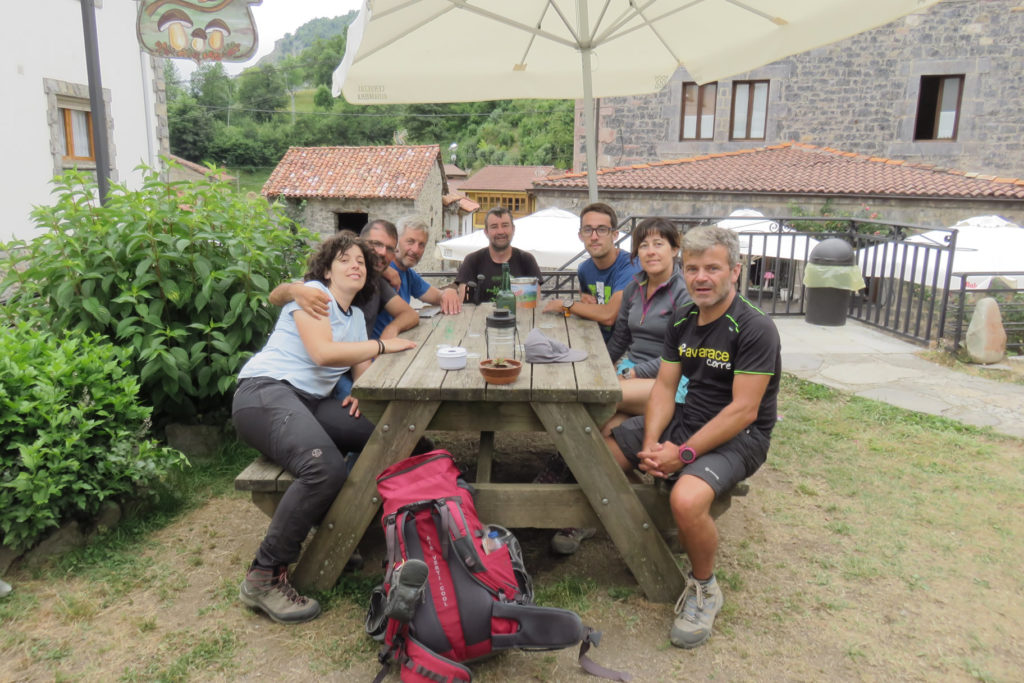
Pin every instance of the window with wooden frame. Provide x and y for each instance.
(938, 107)
(697, 120)
(749, 110)
(76, 131)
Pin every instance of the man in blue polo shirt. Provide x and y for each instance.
(413, 233)
(604, 275)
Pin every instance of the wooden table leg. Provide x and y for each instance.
(355, 508)
(485, 457)
(579, 441)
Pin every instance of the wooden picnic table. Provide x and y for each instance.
(407, 393)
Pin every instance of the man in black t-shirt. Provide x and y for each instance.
(730, 352)
(482, 268)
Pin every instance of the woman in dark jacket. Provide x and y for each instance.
(649, 306)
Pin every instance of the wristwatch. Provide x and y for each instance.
(567, 306)
(687, 454)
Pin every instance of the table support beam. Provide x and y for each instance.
(358, 503)
(579, 440)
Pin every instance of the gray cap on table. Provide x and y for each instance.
(539, 348)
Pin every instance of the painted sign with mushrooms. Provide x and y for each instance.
(203, 30)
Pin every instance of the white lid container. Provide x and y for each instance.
(451, 357)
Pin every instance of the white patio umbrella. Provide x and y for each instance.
(403, 51)
(760, 237)
(551, 235)
(984, 244)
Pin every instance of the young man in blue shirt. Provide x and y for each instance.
(604, 275)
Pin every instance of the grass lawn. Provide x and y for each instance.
(876, 544)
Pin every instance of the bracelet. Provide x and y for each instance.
(381, 351)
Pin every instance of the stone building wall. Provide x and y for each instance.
(859, 95)
(429, 205)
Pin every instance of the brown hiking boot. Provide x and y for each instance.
(268, 590)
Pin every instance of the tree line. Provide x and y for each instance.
(249, 121)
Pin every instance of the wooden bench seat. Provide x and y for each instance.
(506, 504)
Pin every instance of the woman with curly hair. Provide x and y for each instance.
(283, 408)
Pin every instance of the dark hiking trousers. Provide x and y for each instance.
(306, 435)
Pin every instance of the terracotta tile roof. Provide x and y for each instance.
(453, 171)
(388, 172)
(506, 178)
(465, 203)
(797, 168)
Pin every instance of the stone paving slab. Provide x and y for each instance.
(867, 362)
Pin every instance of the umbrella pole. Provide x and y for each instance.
(589, 122)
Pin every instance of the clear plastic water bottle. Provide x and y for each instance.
(492, 541)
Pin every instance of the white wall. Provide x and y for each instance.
(44, 39)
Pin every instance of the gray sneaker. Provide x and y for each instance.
(696, 610)
(408, 584)
(268, 590)
(567, 541)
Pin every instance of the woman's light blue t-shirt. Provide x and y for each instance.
(284, 356)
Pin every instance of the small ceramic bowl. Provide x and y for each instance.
(451, 357)
(501, 374)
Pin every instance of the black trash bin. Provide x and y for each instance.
(831, 274)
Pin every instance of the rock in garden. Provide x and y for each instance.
(7, 556)
(196, 441)
(68, 537)
(986, 338)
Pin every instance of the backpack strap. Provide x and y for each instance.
(592, 637)
(419, 664)
(551, 628)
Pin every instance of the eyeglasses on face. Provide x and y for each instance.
(601, 231)
(378, 246)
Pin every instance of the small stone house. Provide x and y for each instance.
(327, 189)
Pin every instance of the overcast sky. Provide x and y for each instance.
(275, 18)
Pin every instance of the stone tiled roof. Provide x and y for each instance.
(388, 172)
(505, 178)
(797, 168)
(453, 171)
(465, 203)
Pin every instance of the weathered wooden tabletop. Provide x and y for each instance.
(407, 393)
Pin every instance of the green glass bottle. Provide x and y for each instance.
(505, 298)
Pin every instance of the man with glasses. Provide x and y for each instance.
(382, 237)
(604, 275)
(482, 268)
(413, 233)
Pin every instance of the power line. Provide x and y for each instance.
(494, 112)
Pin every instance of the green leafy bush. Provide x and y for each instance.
(179, 272)
(72, 431)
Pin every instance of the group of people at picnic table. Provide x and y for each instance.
(699, 367)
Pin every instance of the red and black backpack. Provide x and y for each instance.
(476, 601)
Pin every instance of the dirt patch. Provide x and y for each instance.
(802, 601)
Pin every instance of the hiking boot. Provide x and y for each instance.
(567, 541)
(408, 584)
(696, 610)
(268, 590)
